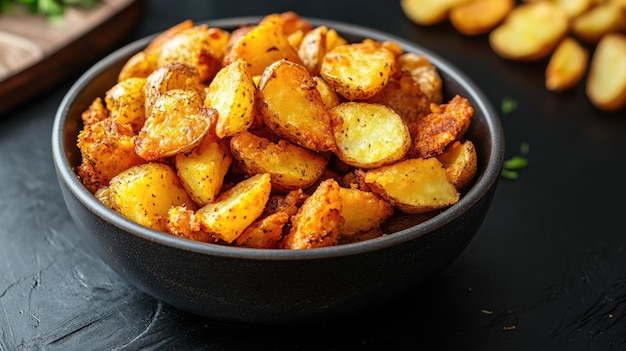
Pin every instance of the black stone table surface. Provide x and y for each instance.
(546, 271)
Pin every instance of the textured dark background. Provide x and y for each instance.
(549, 259)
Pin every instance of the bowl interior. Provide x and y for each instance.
(485, 131)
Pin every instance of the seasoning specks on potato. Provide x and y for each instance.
(285, 136)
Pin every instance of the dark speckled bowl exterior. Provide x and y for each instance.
(242, 285)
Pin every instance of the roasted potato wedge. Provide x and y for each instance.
(357, 71)
(231, 93)
(530, 32)
(424, 73)
(290, 166)
(362, 211)
(414, 185)
(428, 12)
(312, 49)
(178, 123)
(606, 82)
(236, 208)
(460, 162)
(369, 135)
(107, 148)
(476, 17)
(573, 8)
(329, 96)
(182, 221)
(96, 112)
(145, 193)
(202, 170)
(126, 102)
(266, 233)
(567, 65)
(598, 21)
(318, 220)
(167, 77)
(293, 108)
(261, 46)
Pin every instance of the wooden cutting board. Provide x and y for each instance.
(36, 54)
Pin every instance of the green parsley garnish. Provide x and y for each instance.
(511, 166)
(51, 9)
(508, 104)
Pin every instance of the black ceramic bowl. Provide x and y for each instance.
(233, 284)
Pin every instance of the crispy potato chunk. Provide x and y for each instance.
(293, 108)
(432, 133)
(357, 71)
(318, 221)
(329, 96)
(167, 77)
(265, 233)
(312, 49)
(182, 222)
(598, 21)
(199, 46)
(606, 83)
(178, 123)
(530, 32)
(107, 148)
(567, 65)
(236, 208)
(475, 17)
(96, 112)
(428, 12)
(362, 211)
(203, 169)
(290, 166)
(460, 162)
(261, 46)
(145, 193)
(413, 186)
(125, 101)
(231, 93)
(369, 135)
(289, 21)
(423, 72)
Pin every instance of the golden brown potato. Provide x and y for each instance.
(357, 71)
(266, 233)
(312, 49)
(423, 72)
(530, 32)
(261, 46)
(290, 166)
(231, 93)
(362, 211)
(126, 102)
(203, 169)
(107, 148)
(329, 96)
(289, 21)
(318, 221)
(96, 112)
(145, 193)
(369, 135)
(167, 77)
(236, 208)
(428, 12)
(475, 17)
(178, 123)
(598, 21)
(413, 186)
(446, 123)
(460, 162)
(199, 46)
(573, 8)
(293, 108)
(182, 222)
(567, 65)
(606, 82)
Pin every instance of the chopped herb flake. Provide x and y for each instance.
(511, 166)
(508, 104)
(516, 162)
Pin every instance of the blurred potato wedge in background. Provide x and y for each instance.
(414, 185)
(530, 32)
(460, 162)
(567, 65)
(290, 166)
(369, 135)
(428, 12)
(357, 71)
(293, 108)
(236, 208)
(474, 17)
(606, 82)
(599, 20)
(231, 94)
(145, 193)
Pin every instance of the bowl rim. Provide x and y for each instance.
(481, 186)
